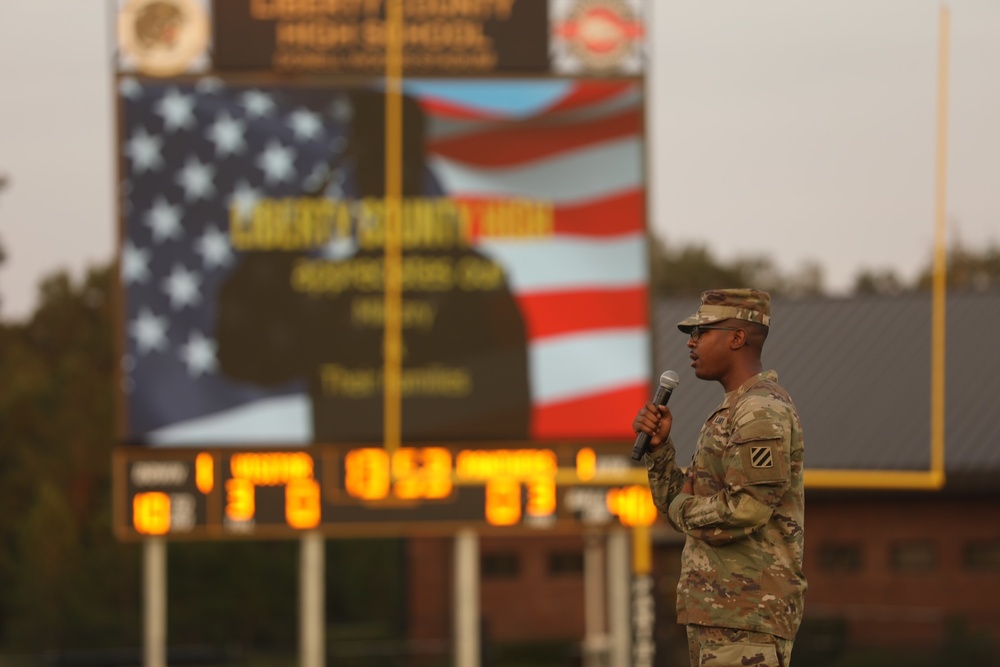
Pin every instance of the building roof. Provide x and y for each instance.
(859, 371)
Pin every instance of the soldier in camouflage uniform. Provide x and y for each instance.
(740, 503)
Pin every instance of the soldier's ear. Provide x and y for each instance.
(739, 339)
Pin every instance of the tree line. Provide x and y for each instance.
(686, 270)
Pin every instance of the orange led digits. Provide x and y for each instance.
(541, 496)
(293, 470)
(503, 501)
(240, 504)
(151, 513)
(421, 473)
(633, 505)
(302, 506)
(437, 472)
(586, 464)
(204, 472)
(366, 473)
(406, 469)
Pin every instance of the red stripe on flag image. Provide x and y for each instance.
(569, 312)
(618, 214)
(598, 415)
(531, 141)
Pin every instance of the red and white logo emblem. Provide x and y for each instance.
(597, 35)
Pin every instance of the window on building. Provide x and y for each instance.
(840, 557)
(983, 555)
(565, 563)
(917, 556)
(500, 565)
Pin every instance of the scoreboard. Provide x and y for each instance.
(465, 348)
(367, 490)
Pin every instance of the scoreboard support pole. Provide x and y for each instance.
(619, 598)
(607, 599)
(643, 599)
(154, 586)
(312, 589)
(595, 639)
(466, 622)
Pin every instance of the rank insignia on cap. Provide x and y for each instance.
(760, 457)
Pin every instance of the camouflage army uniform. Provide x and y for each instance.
(741, 567)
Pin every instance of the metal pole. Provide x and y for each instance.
(643, 599)
(154, 571)
(466, 621)
(940, 275)
(392, 347)
(312, 636)
(595, 641)
(619, 596)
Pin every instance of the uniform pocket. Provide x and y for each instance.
(741, 654)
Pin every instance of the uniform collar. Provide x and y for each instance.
(733, 396)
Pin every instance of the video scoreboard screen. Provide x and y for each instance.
(258, 398)
(367, 490)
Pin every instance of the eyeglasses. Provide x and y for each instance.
(696, 331)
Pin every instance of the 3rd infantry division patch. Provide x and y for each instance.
(760, 457)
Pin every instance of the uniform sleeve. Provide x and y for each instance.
(757, 475)
(665, 477)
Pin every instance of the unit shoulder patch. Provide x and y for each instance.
(760, 452)
(761, 456)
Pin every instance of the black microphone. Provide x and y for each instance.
(668, 382)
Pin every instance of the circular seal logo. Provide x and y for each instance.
(163, 37)
(601, 33)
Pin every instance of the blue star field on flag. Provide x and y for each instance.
(189, 153)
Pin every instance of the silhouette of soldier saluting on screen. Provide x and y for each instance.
(464, 365)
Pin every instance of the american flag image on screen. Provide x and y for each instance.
(193, 152)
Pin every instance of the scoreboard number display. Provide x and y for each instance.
(366, 490)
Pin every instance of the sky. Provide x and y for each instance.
(800, 131)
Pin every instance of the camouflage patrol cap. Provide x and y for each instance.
(752, 305)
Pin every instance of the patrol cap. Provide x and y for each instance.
(752, 305)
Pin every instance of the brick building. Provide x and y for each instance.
(894, 569)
